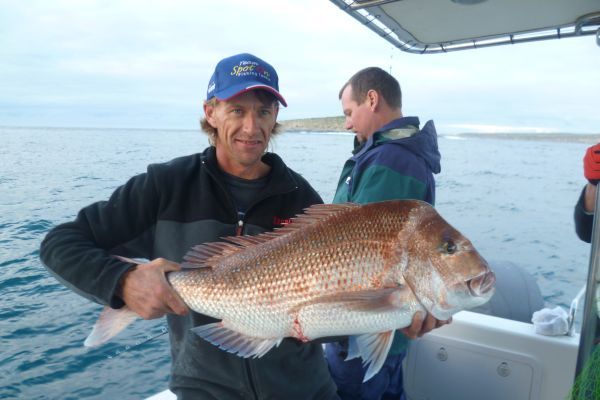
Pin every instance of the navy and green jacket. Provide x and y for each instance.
(162, 213)
(396, 162)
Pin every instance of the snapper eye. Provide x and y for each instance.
(449, 247)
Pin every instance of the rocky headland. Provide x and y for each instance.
(336, 124)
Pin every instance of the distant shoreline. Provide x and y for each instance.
(551, 137)
(325, 124)
(336, 124)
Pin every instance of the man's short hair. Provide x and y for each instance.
(374, 78)
(263, 96)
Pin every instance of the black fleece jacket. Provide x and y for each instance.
(162, 213)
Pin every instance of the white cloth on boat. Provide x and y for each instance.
(551, 321)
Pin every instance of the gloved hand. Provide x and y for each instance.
(591, 164)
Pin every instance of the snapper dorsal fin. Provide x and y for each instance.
(312, 215)
(208, 255)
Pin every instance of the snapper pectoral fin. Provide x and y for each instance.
(372, 348)
(234, 342)
(109, 324)
(372, 300)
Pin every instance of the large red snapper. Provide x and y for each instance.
(336, 270)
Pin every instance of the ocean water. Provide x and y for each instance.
(513, 198)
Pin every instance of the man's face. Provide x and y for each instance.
(244, 125)
(358, 116)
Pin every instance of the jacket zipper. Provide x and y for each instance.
(240, 228)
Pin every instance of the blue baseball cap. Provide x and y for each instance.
(241, 73)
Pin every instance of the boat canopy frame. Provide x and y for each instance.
(466, 28)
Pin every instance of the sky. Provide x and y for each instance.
(146, 64)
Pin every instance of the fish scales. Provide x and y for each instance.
(336, 270)
(337, 253)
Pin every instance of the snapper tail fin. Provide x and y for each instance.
(109, 324)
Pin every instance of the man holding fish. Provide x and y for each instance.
(392, 159)
(243, 313)
(232, 188)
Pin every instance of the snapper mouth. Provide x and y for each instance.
(483, 284)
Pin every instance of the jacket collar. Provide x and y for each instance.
(280, 179)
(400, 123)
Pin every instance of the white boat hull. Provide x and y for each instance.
(485, 357)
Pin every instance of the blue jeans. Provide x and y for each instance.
(348, 376)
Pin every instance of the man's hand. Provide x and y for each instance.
(147, 292)
(591, 164)
(419, 327)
